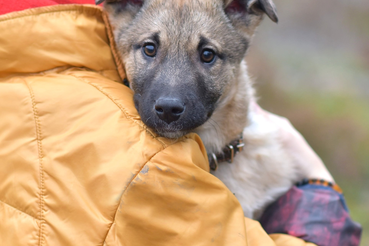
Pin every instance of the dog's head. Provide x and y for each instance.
(180, 56)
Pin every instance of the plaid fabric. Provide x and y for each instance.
(315, 213)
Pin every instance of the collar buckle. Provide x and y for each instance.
(228, 153)
(213, 162)
(240, 144)
(231, 148)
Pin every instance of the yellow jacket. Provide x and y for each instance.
(78, 167)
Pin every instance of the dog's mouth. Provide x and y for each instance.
(171, 117)
(170, 133)
(175, 129)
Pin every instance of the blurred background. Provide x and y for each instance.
(313, 68)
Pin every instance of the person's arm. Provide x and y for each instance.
(174, 200)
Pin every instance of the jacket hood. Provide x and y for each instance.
(75, 36)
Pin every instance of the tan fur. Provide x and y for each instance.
(262, 171)
(254, 177)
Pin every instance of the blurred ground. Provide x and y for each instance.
(313, 68)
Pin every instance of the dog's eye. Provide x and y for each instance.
(207, 56)
(149, 49)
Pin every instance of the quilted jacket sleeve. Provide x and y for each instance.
(183, 204)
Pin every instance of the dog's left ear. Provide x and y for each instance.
(252, 6)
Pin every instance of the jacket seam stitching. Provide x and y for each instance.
(126, 114)
(129, 184)
(40, 158)
(117, 58)
(49, 10)
(16, 209)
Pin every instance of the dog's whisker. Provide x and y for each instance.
(215, 126)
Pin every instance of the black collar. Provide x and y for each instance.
(228, 153)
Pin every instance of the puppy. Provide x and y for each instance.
(184, 60)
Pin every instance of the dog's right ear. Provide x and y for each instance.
(121, 12)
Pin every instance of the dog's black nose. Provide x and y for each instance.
(169, 109)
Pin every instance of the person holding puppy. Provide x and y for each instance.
(79, 167)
